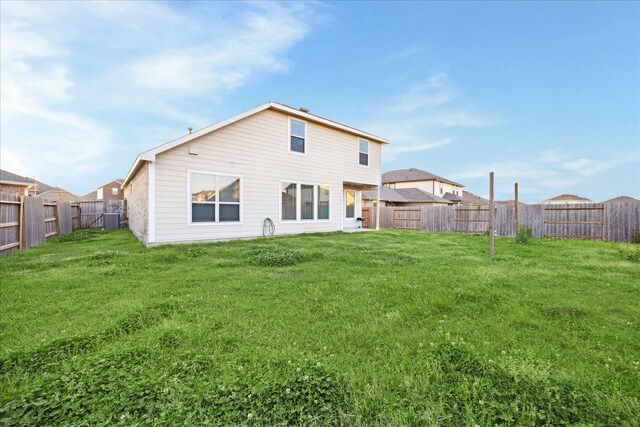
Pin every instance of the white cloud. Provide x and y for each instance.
(550, 170)
(67, 64)
(424, 117)
(392, 151)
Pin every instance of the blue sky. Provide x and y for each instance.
(546, 94)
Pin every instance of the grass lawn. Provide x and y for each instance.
(387, 328)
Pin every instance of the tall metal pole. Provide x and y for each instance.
(491, 215)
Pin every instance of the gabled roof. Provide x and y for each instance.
(118, 180)
(13, 177)
(403, 195)
(43, 194)
(452, 197)
(622, 199)
(93, 195)
(386, 194)
(468, 198)
(418, 195)
(150, 155)
(413, 174)
(570, 197)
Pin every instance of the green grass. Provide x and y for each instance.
(387, 328)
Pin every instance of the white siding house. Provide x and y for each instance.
(303, 172)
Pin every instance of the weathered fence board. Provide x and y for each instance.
(29, 221)
(615, 222)
(10, 206)
(35, 228)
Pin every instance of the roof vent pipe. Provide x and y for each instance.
(304, 110)
(190, 130)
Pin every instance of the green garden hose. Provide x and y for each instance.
(268, 228)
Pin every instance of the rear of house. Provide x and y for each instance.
(302, 171)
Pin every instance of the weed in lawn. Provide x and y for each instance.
(523, 235)
(629, 252)
(275, 257)
(299, 391)
(81, 235)
(195, 252)
(494, 393)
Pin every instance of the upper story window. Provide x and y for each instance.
(114, 191)
(214, 198)
(297, 136)
(363, 150)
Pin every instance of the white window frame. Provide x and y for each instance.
(217, 202)
(367, 153)
(299, 219)
(116, 191)
(306, 140)
(355, 203)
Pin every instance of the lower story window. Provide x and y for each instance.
(304, 202)
(214, 198)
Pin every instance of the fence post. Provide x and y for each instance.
(517, 218)
(57, 217)
(21, 224)
(491, 216)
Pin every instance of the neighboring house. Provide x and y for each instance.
(403, 197)
(59, 195)
(508, 202)
(564, 199)
(622, 199)
(17, 185)
(417, 178)
(92, 195)
(112, 190)
(470, 199)
(23, 185)
(302, 171)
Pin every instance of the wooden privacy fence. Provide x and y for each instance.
(91, 212)
(614, 222)
(29, 221)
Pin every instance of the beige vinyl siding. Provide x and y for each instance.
(136, 193)
(257, 149)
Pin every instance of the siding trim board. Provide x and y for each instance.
(152, 202)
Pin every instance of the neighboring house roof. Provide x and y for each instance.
(403, 195)
(568, 197)
(58, 193)
(452, 197)
(10, 176)
(413, 174)
(149, 155)
(622, 199)
(469, 198)
(93, 195)
(386, 194)
(16, 183)
(118, 180)
(418, 195)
